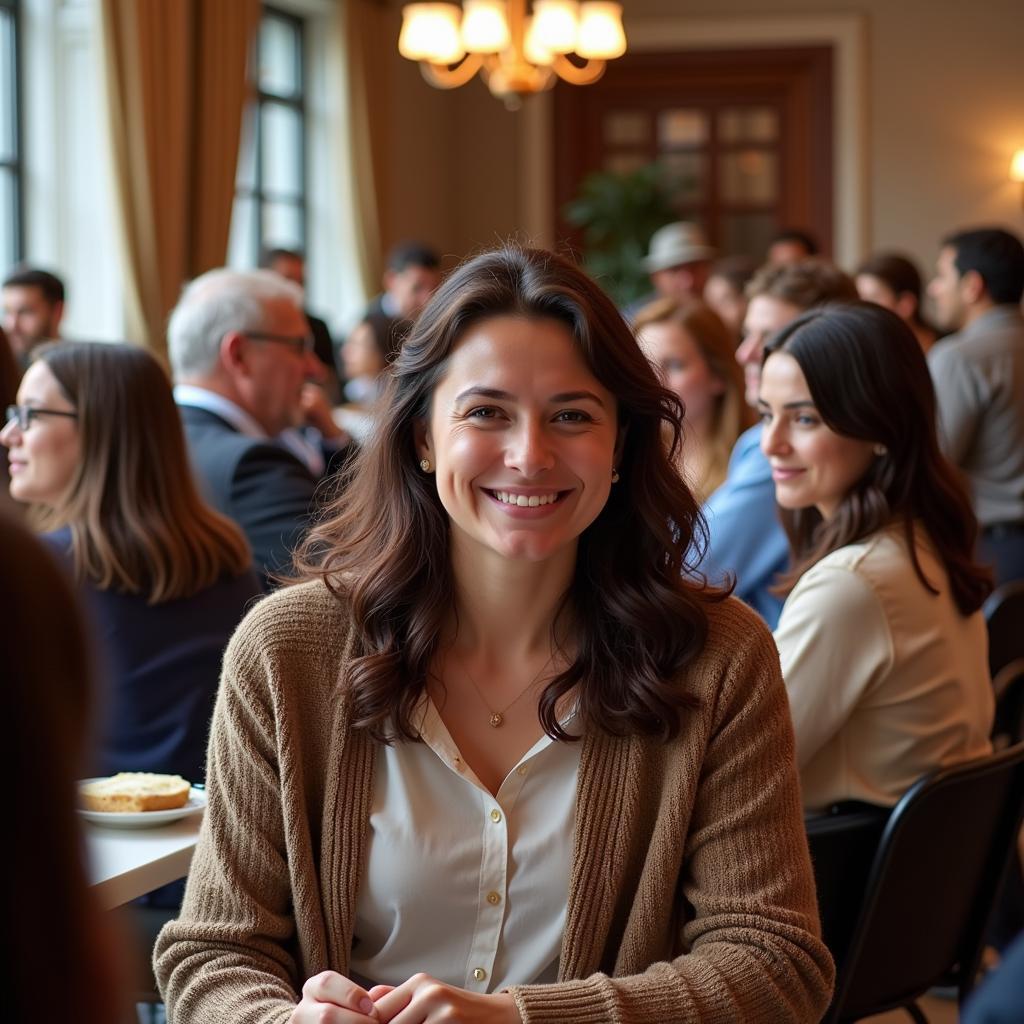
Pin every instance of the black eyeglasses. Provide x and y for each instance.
(299, 344)
(25, 414)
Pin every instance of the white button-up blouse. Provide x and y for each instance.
(470, 888)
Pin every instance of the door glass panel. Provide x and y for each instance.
(7, 218)
(625, 163)
(749, 176)
(242, 242)
(748, 124)
(748, 234)
(7, 91)
(686, 176)
(682, 128)
(627, 128)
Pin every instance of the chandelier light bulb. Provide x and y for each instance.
(555, 25)
(1017, 166)
(601, 36)
(430, 32)
(484, 26)
(534, 49)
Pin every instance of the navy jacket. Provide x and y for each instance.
(158, 670)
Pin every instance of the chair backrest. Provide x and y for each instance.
(1008, 725)
(1004, 615)
(930, 893)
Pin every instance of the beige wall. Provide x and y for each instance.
(945, 102)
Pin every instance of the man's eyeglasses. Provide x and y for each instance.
(23, 415)
(300, 344)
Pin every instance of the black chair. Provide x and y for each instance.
(1004, 615)
(843, 842)
(931, 888)
(1008, 726)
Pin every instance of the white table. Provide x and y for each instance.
(125, 863)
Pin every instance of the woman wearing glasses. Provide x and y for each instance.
(96, 446)
(496, 759)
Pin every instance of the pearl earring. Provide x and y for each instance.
(615, 475)
(425, 465)
(880, 449)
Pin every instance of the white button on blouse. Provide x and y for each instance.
(467, 886)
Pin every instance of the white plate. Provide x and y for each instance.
(145, 819)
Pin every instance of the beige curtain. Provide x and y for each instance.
(175, 83)
(358, 28)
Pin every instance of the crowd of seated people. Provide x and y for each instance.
(522, 521)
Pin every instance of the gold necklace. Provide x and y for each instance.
(497, 718)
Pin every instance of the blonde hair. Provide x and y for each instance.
(137, 521)
(731, 414)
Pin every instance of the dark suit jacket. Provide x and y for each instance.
(265, 489)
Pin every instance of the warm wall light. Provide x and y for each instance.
(1017, 171)
(515, 54)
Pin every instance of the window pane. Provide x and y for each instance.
(282, 225)
(279, 57)
(749, 176)
(748, 124)
(748, 234)
(8, 220)
(242, 245)
(7, 90)
(627, 128)
(245, 176)
(686, 174)
(281, 150)
(682, 128)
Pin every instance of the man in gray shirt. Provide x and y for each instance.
(979, 383)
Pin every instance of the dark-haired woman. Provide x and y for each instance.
(96, 444)
(496, 759)
(894, 283)
(883, 646)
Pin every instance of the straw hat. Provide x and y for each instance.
(676, 244)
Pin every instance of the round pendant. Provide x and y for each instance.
(496, 719)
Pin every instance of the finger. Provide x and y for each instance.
(394, 1002)
(380, 990)
(309, 1011)
(332, 987)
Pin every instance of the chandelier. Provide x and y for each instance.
(517, 54)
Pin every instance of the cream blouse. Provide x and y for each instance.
(470, 888)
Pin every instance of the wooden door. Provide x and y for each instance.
(744, 137)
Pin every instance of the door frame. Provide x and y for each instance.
(845, 33)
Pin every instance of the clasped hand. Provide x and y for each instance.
(331, 998)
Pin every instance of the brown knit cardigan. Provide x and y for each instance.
(690, 898)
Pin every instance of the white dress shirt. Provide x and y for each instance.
(470, 888)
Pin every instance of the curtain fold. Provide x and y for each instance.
(357, 26)
(175, 85)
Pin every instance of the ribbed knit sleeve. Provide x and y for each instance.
(251, 928)
(742, 890)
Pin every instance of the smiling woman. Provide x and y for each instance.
(882, 642)
(495, 701)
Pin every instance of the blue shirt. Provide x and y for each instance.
(745, 535)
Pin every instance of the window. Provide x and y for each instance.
(11, 233)
(270, 188)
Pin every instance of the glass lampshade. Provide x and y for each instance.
(534, 49)
(555, 25)
(1017, 166)
(601, 36)
(484, 26)
(431, 32)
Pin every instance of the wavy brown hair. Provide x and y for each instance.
(869, 380)
(385, 541)
(137, 521)
(731, 414)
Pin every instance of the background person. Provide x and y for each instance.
(745, 537)
(979, 383)
(790, 246)
(48, 704)
(725, 291)
(96, 441)
(603, 742)
(883, 644)
(33, 306)
(693, 351)
(894, 283)
(678, 261)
